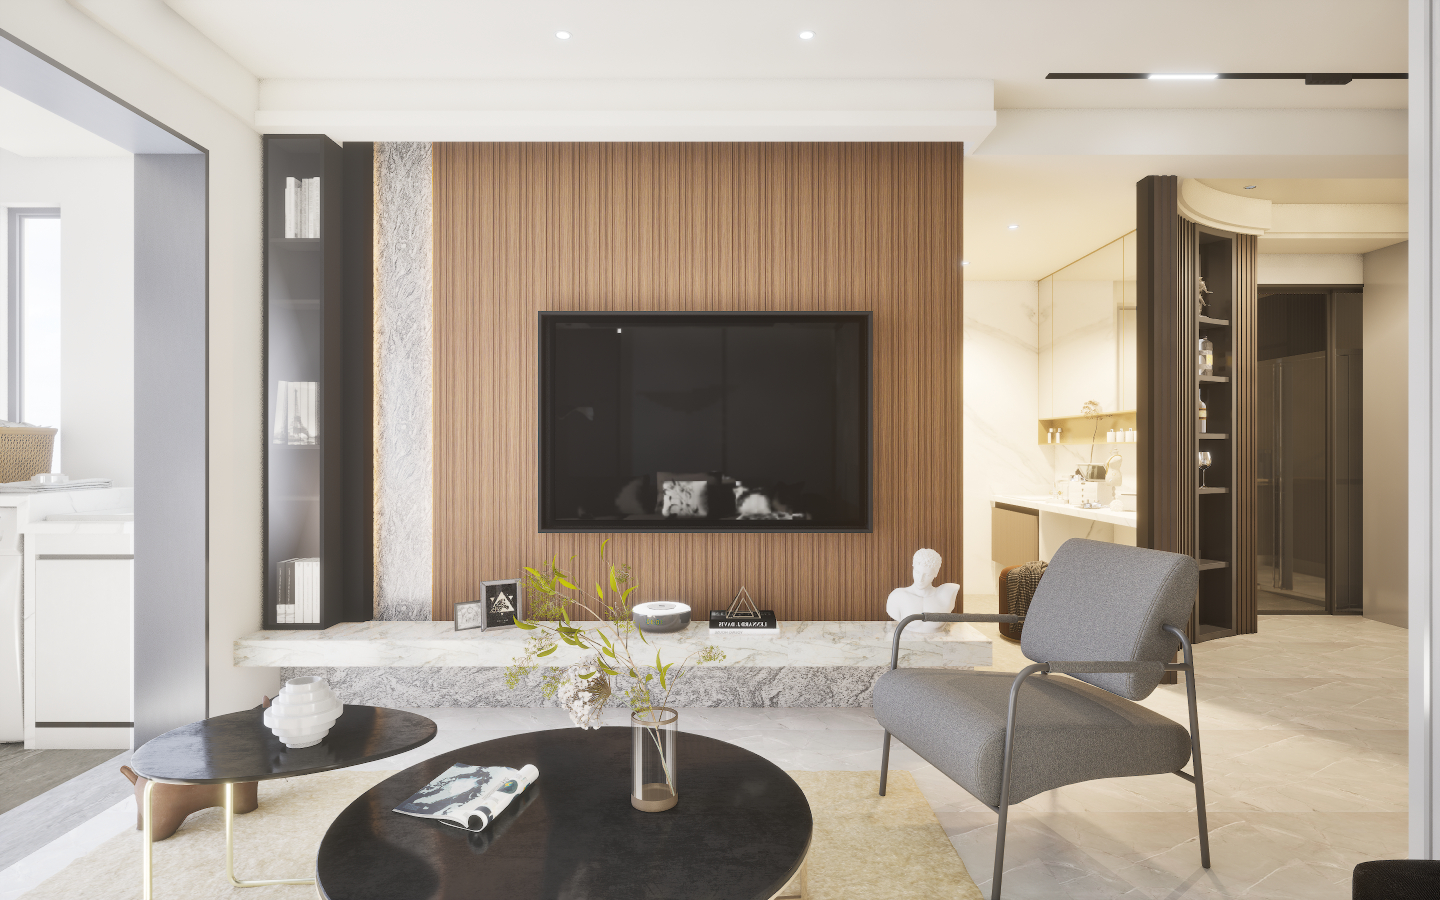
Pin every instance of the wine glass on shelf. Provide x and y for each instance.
(1205, 461)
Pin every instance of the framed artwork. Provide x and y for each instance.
(470, 615)
(503, 603)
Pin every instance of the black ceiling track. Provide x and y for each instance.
(1307, 77)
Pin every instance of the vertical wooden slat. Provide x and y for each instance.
(1244, 320)
(1166, 383)
(521, 228)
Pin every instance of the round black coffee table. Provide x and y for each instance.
(740, 831)
(238, 747)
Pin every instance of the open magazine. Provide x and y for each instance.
(469, 797)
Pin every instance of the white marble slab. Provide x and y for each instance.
(1041, 504)
(436, 644)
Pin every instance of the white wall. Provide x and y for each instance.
(1310, 268)
(60, 31)
(1385, 495)
(97, 281)
(1001, 454)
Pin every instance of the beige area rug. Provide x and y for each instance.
(879, 848)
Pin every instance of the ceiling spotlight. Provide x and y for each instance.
(1013, 227)
(806, 35)
(1160, 77)
(964, 262)
(1251, 187)
(563, 35)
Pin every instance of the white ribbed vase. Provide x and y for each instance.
(304, 712)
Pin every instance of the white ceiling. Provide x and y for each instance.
(1315, 190)
(27, 129)
(1015, 43)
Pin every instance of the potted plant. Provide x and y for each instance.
(618, 664)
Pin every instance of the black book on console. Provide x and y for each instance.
(721, 619)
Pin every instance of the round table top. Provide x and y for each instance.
(740, 831)
(238, 746)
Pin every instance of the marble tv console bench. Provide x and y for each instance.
(429, 664)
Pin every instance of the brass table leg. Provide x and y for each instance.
(149, 844)
(230, 848)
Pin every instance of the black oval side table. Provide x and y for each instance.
(740, 831)
(238, 747)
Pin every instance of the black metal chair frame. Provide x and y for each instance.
(1188, 667)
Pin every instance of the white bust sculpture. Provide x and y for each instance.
(923, 596)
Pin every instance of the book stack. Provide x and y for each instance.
(302, 207)
(299, 594)
(297, 414)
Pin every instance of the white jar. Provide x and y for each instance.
(304, 712)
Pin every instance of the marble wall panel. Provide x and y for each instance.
(1084, 340)
(1002, 454)
(467, 686)
(402, 381)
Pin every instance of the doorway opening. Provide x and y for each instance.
(1309, 430)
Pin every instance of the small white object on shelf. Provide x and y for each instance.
(924, 595)
(304, 712)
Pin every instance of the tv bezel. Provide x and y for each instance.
(547, 319)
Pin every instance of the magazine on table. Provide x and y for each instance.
(469, 797)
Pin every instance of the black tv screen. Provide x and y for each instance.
(705, 421)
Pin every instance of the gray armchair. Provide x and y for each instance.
(1108, 616)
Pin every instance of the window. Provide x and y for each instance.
(32, 371)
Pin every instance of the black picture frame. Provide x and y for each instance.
(496, 596)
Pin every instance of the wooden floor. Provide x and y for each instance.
(25, 774)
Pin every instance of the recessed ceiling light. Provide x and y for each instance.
(1013, 227)
(806, 35)
(1251, 187)
(1166, 77)
(563, 35)
(964, 262)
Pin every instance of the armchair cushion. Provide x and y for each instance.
(1111, 602)
(1065, 732)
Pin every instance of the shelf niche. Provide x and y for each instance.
(317, 371)
(1214, 524)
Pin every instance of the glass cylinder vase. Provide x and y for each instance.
(653, 786)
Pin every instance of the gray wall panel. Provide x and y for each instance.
(171, 444)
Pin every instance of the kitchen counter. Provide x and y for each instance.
(1050, 505)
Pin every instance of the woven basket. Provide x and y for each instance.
(25, 451)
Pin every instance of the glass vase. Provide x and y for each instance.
(653, 786)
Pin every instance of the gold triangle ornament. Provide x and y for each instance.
(742, 607)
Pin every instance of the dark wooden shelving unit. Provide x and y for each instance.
(1214, 524)
(318, 331)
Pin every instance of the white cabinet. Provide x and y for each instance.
(84, 614)
(68, 559)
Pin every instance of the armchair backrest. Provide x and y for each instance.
(1100, 602)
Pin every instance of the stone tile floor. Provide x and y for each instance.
(1304, 741)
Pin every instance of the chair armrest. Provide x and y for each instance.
(943, 617)
(966, 617)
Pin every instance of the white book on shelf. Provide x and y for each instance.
(312, 409)
(292, 201)
(281, 429)
(315, 207)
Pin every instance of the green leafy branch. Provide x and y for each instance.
(551, 592)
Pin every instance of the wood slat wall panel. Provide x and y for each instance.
(520, 228)
(1244, 325)
(1166, 382)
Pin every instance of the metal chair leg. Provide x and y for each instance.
(1189, 668)
(884, 763)
(1199, 772)
(1003, 807)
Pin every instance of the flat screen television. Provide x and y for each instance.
(705, 422)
